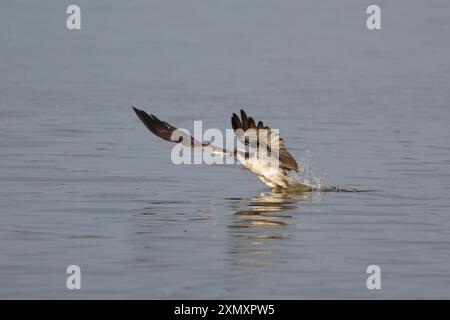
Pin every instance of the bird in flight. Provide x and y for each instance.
(270, 162)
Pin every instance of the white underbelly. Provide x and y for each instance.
(271, 175)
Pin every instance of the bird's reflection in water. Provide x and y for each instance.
(261, 221)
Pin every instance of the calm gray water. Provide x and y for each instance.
(83, 182)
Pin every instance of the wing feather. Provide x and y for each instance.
(170, 133)
(241, 128)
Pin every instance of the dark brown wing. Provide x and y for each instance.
(160, 128)
(245, 123)
(168, 132)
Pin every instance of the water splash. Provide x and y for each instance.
(318, 183)
(306, 176)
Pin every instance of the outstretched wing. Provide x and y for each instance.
(246, 129)
(170, 133)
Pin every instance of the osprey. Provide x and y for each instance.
(260, 162)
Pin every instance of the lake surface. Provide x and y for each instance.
(83, 182)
